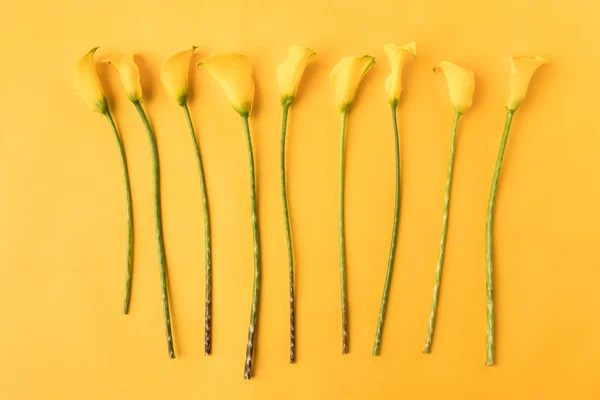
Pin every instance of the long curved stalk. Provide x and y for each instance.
(207, 239)
(159, 232)
(256, 289)
(390, 267)
(342, 239)
(438, 270)
(489, 283)
(129, 212)
(288, 234)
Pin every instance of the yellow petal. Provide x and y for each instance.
(88, 85)
(461, 85)
(130, 75)
(521, 72)
(290, 72)
(345, 78)
(233, 71)
(398, 56)
(174, 75)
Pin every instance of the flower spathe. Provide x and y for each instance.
(174, 74)
(461, 85)
(88, 85)
(129, 73)
(345, 78)
(398, 56)
(521, 72)
(290, 72)
(233, 71)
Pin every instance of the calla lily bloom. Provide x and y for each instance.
(398, 56)
(289, 75)
(88, 85)
(290, 72)
(130, 78)
(90, 90)
(345, 78)
(233, 71)
(461, 85)
(174, 75)
(521, 71)
(130, 75)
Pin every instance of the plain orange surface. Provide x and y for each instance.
(62, 210)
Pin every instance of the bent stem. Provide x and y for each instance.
(129, 212)
(288, 233)
(255, 291)
(489, 283)
(159, 232)
(207, 241)
(438, 270)
(390, 267)
(342, 239)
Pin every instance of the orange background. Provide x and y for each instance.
(62, 205)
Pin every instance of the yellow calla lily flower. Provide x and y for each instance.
(461, 84)
(290, 72)
(174, 74)
(398, 56)
(233, 71)
(130, 75)
(345, 78)
(88, 85)
(521, 72)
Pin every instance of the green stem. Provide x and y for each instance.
(129, 213)
(390, 267)
(288, 233)
(207, 244)
(438, 270)
(342, 239)
(489, 284)
(256, 289)
(159, 232)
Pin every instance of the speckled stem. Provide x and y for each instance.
(438, 270)
(342, 237)
(207, 241)
(256, 290)
(388, 274)
(159, 232)
(288, 234)
(129, 212)
(489, 283)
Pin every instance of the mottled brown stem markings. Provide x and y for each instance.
(159, 231)
(440, 262)
(342, 239)
(288, 232)
(207, 240)
(256, 289)
(489, 283)
(129, 213)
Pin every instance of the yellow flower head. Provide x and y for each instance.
(461, 84)
(398, 56)
(345, 78)
(174, 75)
(233, 71)
(130, 75)
(88, 85)
(290, 72)
(521, 72)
